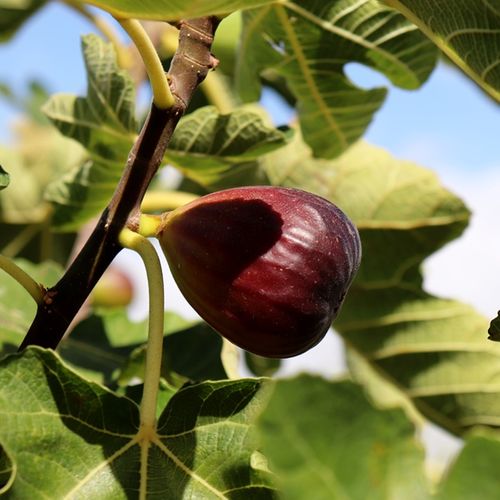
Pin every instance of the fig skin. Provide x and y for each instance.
(267, 267)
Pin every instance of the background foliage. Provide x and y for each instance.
(69, 420)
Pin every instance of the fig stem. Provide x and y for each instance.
(161, 201)
(147, 252)
(23, 278)
(123, 57)
(162, 97)
(149, 225)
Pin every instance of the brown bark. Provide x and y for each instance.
(62, 302)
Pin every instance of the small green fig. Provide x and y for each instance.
(267, 267)
(114, 289)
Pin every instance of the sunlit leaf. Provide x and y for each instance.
(38, 155)
(474, 473)
(309, 44)
(104, 123)
(435, 350)
(467, 31)
(71, 438)
(208, 146)
(324, 440)
(167, 10)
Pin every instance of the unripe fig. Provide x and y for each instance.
(114, 289)
(267, 267)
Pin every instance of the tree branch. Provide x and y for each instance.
(190, 65)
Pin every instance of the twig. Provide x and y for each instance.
(189, 67)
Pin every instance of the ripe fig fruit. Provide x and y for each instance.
(267, 267)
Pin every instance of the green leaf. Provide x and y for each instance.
(434, 350)
(309, 44)
(39, 155)
(134, 392)
(475, 472)
(208, 146)
(167, 10)
(13, 13)
(17, 308)
(4, 178)
(104, 123)
(100, 346)
(7, 471)
(260, 366)
(324, 440)
(467, 31)
(85, 441)
(190, 354)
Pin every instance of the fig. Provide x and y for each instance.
(267, 267)
(114, 289)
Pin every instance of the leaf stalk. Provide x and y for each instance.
(162, 97)
(36, 290)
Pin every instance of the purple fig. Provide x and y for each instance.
(267, 267)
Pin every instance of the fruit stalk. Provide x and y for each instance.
(188, 69)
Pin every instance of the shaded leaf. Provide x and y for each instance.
(467, 31)
(194, 354)
(17, 308)
(309, 43)
(208, 146)
(86, 438)
(260, 366)
(100, 346)
(324, 440)
(494, 329)
(190, 354)
(7, 471)
(4, 178)
(166, 10)
(104, 123)
(13, 13)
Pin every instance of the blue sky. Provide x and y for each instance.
(449, 119)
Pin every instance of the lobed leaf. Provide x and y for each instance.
(337, 445)
(308, 43)
(434, 350)
(467, 31)
(72, 438)
(104, 123)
